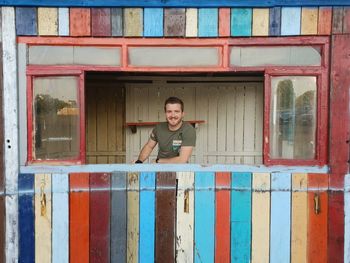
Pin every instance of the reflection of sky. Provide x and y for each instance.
(301, 84)
(63, 88)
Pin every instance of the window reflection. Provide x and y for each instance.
(293, 117)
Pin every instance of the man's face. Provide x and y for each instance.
(173, 114)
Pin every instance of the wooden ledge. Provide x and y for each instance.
(133, 125)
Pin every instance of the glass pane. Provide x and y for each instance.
(56, 118)
(293, 117)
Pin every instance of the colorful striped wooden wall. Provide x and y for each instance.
(167, 216)
(182, 22)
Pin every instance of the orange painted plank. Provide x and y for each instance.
(222, 246)
(325, 20)
(79, 218)
(318, 214)
(80, 21)
(224, 22)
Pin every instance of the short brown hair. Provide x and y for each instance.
(174, 100)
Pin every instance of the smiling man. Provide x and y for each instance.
(175, 137)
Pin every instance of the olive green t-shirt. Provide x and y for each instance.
(170, 142)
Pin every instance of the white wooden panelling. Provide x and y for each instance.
(249, 126)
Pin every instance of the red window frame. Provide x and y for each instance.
(45, 72)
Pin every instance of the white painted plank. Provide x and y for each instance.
(259, 121)
(22, 98)
(10, 112)
(185, 217)
(230, 117)
(191, 22)
(201, 114)
(212, 123)
(222, 122)
(63, 21)
(249, 122)
(347, 219)
(239, 122)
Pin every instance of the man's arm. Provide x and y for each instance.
(147, 150)
(184, 157)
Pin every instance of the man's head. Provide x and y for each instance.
(174, 111)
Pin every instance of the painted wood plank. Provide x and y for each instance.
(347, 219)
(185, 217)
(259, 121)
(63, 21)
(230, 124)
(43, 218)
(324, 20)
(60, 218)
(26, 21)
(222, 215)
(101, 22)
(191, 22)
(80, 22)
(221, 123)
(224, 22)
(118, 217)
(241, 22)
(204, 217)
(47, 21)
(275, 21)
(260, 22)
(165, 217)
(99, 217)
(22, 100)
(299, 219)
(26, 218)
(248, 130)
(212, 96)
(337, 20)
(147, 216)
(346, 20)
(309, 19)
(317, 215)
(208, 22)
(133, 22)
(174, 22)
(290, 21)
(117, 22)
(133, 218)
(241, 203)
(153, 22)
(79, 207)
(280, 217)
(261, 217)
(101, 124)
(2, 160)
(239, 121)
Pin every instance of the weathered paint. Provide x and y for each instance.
(101, 22)
(290, 21)
(2, 162)
(153, 22)
(241, 22)
(63, 21)
(241, 203)
(147, 217)
(208, 22)
(204, 217)
(280, 221)
(174, 22)
(191, 22)
(117, 21)
(260, 22)
(133, 218)
(324, 20)
(275, 21)
(337, 20)
(346, 20)
(224, 22)
(26, 21)
(133, 22)
(309, 21)
(347, 219)
(22, 100)
(80, 22)
(47, 21)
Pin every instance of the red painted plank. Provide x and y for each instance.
(325, 20)
(346, 20)
(222, 213)
(101, 21)
(100, 217)
(80, 21)
(337, 20)
(318, 214)
(224, 22)
(79, 218)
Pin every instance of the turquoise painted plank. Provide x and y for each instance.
(204, 211)
(280, 217)
(60, 218)
(147, 216)
(208, 22)
(63, 21)
(241, 203)
(241, 22)
(26, 21)
(290, 21)
(153, 22)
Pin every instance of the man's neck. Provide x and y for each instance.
(175, 128)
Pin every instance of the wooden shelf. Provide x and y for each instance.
(133, 125)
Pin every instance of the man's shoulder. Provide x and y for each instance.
(187, 127)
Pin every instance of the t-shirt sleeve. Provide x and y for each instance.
(153, 135)
(189, 137)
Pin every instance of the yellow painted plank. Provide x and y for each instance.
(260, 21)
(133, 22)
(47, 21)
(261, 218)
(133, 218)
(309, 21)
(299, 219)
(191, 22)
(42, 218)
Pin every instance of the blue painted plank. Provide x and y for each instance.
(241, 203)
(280, 217)
(147, 217)
(63, 21)
(60, 219)
(26, 224)
(241, 22)
(204, 216)
(174, 3)
(153, 22)
(26, 21)
(208, 22)
(275, 21)
(290, 21)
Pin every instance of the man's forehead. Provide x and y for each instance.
(173, 106)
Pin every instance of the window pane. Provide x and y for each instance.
(56, 118)
(293, 117)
